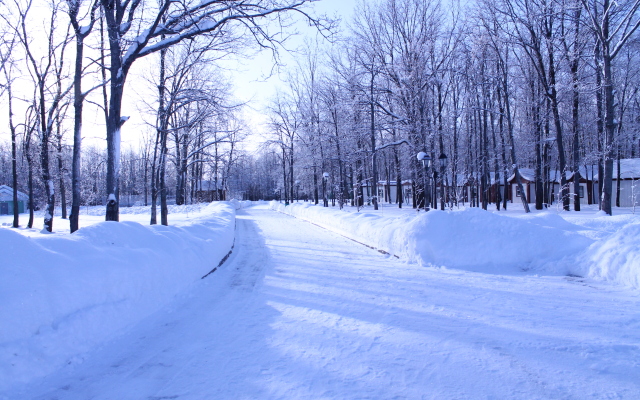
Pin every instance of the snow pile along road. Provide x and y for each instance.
(470, 239)
(62, 295)
(616, 258)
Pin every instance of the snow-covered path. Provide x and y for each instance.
(298, 312)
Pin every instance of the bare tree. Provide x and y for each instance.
(47, 72)
(160, 28)
(613, 24)
(81, 33)
(6, 65)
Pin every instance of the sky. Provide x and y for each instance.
(257, 82)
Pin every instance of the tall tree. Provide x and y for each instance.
(614, 24)
(81, 33)
(48, 74)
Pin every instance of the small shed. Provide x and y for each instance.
(6, 200)
(528, 184)
(468, 187)
(208, 191)
(387, 191)
(585, 186)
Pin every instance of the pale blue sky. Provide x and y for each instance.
(252, 82)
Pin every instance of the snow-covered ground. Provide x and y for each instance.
(62, 294)
(476, 305)
(92, 215)
(587, 243)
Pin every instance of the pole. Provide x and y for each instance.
(325, 203)
(442, 187)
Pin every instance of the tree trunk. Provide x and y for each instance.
(47, 180)
(14, 158)
(76, 172)
(610, 127)
(618, 178)
(575, 110)
(315, 186)
(63, 197)
(374, 165)
(555, 108)
(117, 75)
(538, 148)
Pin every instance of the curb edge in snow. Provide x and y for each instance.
(225, 258)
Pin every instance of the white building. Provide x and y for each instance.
(629, 182)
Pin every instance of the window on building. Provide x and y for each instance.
(517, 191)
(581, 191)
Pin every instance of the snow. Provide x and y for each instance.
(616, 258)
(84, 30)
(629, 169)
(476, 240)
(72, 292)
(6, 194)
(464, 304)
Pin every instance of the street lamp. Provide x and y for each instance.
(443, 165)
(297, 190)
(325, 176)
(426, 163)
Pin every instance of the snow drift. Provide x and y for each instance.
(470, 239)
(602, 248)
(616, 258)
(62, 295)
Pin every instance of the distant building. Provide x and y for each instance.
(629, 182)
(387, 191)
(208, 191)
(6, 200)
(586, 186)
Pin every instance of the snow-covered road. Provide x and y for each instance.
(298, 312)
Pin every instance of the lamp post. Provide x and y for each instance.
(443, 165)
(297, 190)
(325, 176)
(426, 163)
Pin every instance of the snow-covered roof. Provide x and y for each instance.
(526, 173)
(555, 175)
(6, 194)
(629, 169)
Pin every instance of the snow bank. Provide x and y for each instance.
(616, 258)
(62, 295)
(470, 239)
(239, 204)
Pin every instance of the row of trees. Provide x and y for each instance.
(46, 85)
(496, 86)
